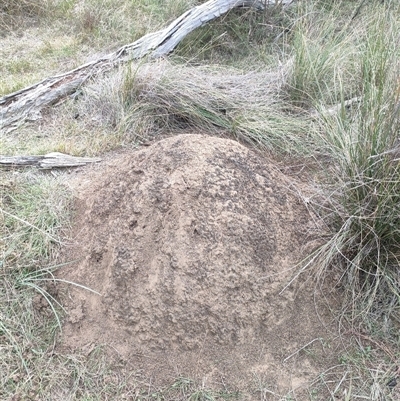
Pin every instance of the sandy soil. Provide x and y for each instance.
(189, 243)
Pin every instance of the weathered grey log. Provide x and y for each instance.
(27, 103)
(49, 161)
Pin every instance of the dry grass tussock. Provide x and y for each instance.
(144, 100)
(167, 96)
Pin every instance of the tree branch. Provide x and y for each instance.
(27, 103)
(49, 161)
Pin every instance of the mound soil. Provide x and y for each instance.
(189, 243)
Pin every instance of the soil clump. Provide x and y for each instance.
(189, 243)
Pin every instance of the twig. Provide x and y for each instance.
(303, 347)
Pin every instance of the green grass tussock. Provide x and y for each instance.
(323, 51)
(240, 38)
(365, 178)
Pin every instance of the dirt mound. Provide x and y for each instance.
(189, 242)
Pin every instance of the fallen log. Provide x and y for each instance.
(49, 161)
(27, 103)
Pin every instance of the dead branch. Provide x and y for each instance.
(27, 103)
(49, 161)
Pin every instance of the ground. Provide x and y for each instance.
(195, 246)
(190, 244)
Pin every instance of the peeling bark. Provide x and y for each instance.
(49, 161)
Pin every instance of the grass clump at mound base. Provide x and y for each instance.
(363, 208)
(32, 210)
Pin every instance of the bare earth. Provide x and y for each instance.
(189, 242)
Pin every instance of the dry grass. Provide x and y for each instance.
(41, 38)
(147, 99)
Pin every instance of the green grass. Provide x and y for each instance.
(26, 7)
(323, 51)
(360, 152)
(31, 206)
(260, 34)
(365, 177)
(32, 212)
